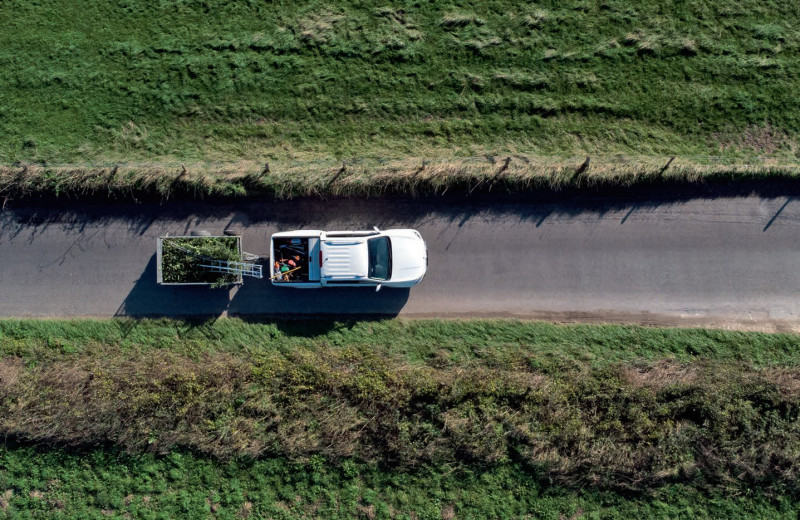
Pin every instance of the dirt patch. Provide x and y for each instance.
(9, 372)
(645, 319)
(5, 499)
(448, 513)
(660, 375)
(761, 139)
(787, 381)
(246, 510)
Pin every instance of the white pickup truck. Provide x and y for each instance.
(311, 258)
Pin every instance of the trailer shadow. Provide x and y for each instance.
(147, 298)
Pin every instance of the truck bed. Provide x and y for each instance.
(295, 260)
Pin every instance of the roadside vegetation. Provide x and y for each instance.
(604, 409)
(372, 178)
(97, 484)
(305, 85)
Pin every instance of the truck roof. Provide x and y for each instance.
(345, 258)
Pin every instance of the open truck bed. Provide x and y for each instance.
(295, 258)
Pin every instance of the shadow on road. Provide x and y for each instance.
(27, 220)
(147, 298)
(256, 300)
(136, 225)
(778, 213)
(260, 297)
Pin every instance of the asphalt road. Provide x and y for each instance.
(728, 261)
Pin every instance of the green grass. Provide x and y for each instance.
(585, 407)
(37, 483)
(414, 341)
(214, 80)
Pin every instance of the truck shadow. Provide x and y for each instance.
(260, 297)
(256, 300)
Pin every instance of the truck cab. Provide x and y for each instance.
(312, 258)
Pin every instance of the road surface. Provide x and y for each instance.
(726, 261)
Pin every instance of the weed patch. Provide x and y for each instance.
(655, 407)
(97, 483)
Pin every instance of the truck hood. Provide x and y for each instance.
(409, 257)
(344, 258)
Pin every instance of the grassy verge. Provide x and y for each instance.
(370, 178)
(215, 80)
(618, 408)
(416, 342)
(38, 483)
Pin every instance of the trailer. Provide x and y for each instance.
(203, 260)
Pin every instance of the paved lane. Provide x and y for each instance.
(726, 261)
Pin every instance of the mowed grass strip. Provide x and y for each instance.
(55, 483)
(417, 342)
(124, 80)
(619, 408)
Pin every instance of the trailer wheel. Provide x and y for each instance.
(200, 233)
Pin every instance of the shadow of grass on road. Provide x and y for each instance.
(30, 219)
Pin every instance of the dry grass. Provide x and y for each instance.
(660, 375)
(759, 139)
(369, 178)
(787, 380)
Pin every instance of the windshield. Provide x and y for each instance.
(380, 258)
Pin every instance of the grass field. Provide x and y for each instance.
(597, 418)
(107, 81)
(101, 484)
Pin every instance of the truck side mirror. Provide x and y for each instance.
(378, 287)
(376, 229)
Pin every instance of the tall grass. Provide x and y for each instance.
(218, 80)
(370, 178)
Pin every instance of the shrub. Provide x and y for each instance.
(182, 258)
